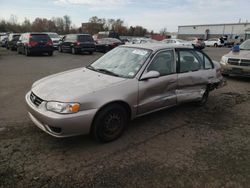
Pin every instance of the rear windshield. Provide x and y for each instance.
(40, 37)
(16, 37)
(85, 38)
(54, 35)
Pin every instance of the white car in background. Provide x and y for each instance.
(216, 42)
(55, 39)
(178, 42)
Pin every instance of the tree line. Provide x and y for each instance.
(63, 25)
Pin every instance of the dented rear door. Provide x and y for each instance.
(192, 78)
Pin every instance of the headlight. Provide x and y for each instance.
(224, 60)
(63, 108)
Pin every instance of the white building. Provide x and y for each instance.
(207, 31)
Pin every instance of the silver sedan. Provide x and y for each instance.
(128, 82)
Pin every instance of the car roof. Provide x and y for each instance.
(36, 33)
(157, 46)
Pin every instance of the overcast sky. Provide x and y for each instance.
(152, 14)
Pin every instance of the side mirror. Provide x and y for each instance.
(150, 74)
(18, 42)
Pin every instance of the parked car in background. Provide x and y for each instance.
(198, 43)
(77, 43)
(142, 41)
(178, 42)
(3, 40)
(237, 63)
(216, 42)
(107, 44)
(31, 43)
(55, 39)
(12, 41)
(128, 82)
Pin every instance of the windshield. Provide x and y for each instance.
(245, 45)
(121, 61)
(53, 35)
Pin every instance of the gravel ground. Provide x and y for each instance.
(185, 146)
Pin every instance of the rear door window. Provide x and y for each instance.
(188, 61)
(206, 63)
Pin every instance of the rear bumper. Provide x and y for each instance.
(41, 49)
(85, 49)
(59, 125)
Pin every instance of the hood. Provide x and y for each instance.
(242, 54)
(71, 85)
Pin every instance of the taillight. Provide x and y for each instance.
(114, 44)
(33, 43)
(49, 43)
(78, 43)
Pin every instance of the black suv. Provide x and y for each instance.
(12, 40)
(77, 43)
(30, 43)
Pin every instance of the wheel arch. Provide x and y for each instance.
(123, 104)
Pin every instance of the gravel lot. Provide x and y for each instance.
(185, 146)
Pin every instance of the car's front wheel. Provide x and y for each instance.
(215, 45)
(109, 123)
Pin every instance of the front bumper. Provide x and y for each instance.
(59, 125)
(235, 70)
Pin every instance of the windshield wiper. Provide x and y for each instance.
(107, 72)
(90, 67)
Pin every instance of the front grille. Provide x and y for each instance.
(35, 99)
(245, 62)
(239, 62)
(232, 61)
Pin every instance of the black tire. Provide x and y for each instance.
(109, 123)
(50, 53)
(216, 45)
(91, 52)
(27, 53)
(204, 98)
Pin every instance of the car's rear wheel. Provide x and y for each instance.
(50, 53)
(109, 123)
(215, 45)
(90, 52)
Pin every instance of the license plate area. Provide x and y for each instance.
(237, 70)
